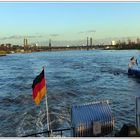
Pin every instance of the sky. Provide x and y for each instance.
(66, 22)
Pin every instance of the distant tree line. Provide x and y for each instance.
(129, 44)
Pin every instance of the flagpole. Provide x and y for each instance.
(47, 110)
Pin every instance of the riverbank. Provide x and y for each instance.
(29, 49)
(70, 48)
(3, 53)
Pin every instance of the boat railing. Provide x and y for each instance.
(50, 133)
(61, 132)
(138, 113)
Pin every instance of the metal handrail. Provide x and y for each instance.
(137, 114)
(49, 132)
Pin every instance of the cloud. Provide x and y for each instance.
(11, 37)
(20, 37)
(88, 31)
(54, 35)
(35, 36)
(29, 37)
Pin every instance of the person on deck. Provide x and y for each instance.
(132, 63)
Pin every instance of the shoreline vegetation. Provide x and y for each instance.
(3, 53)
(27, 49)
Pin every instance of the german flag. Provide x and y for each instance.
(39, 88)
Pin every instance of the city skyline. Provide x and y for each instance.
(68, 21)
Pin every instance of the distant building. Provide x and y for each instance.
(90, 41)
(50, 43)
(25, 44)
(113, 42)
(129, 41)
(138, 40)
(21, 50)
(36, 45)
(87, 41)
(107, 47)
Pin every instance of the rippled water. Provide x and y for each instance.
(73, 77)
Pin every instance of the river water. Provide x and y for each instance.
(72, 77)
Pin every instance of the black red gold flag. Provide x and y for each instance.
(39, 88)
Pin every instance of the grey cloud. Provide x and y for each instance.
(54, 35)
(35, 36)
(11, 37)
(20, 37)
(88, 31)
